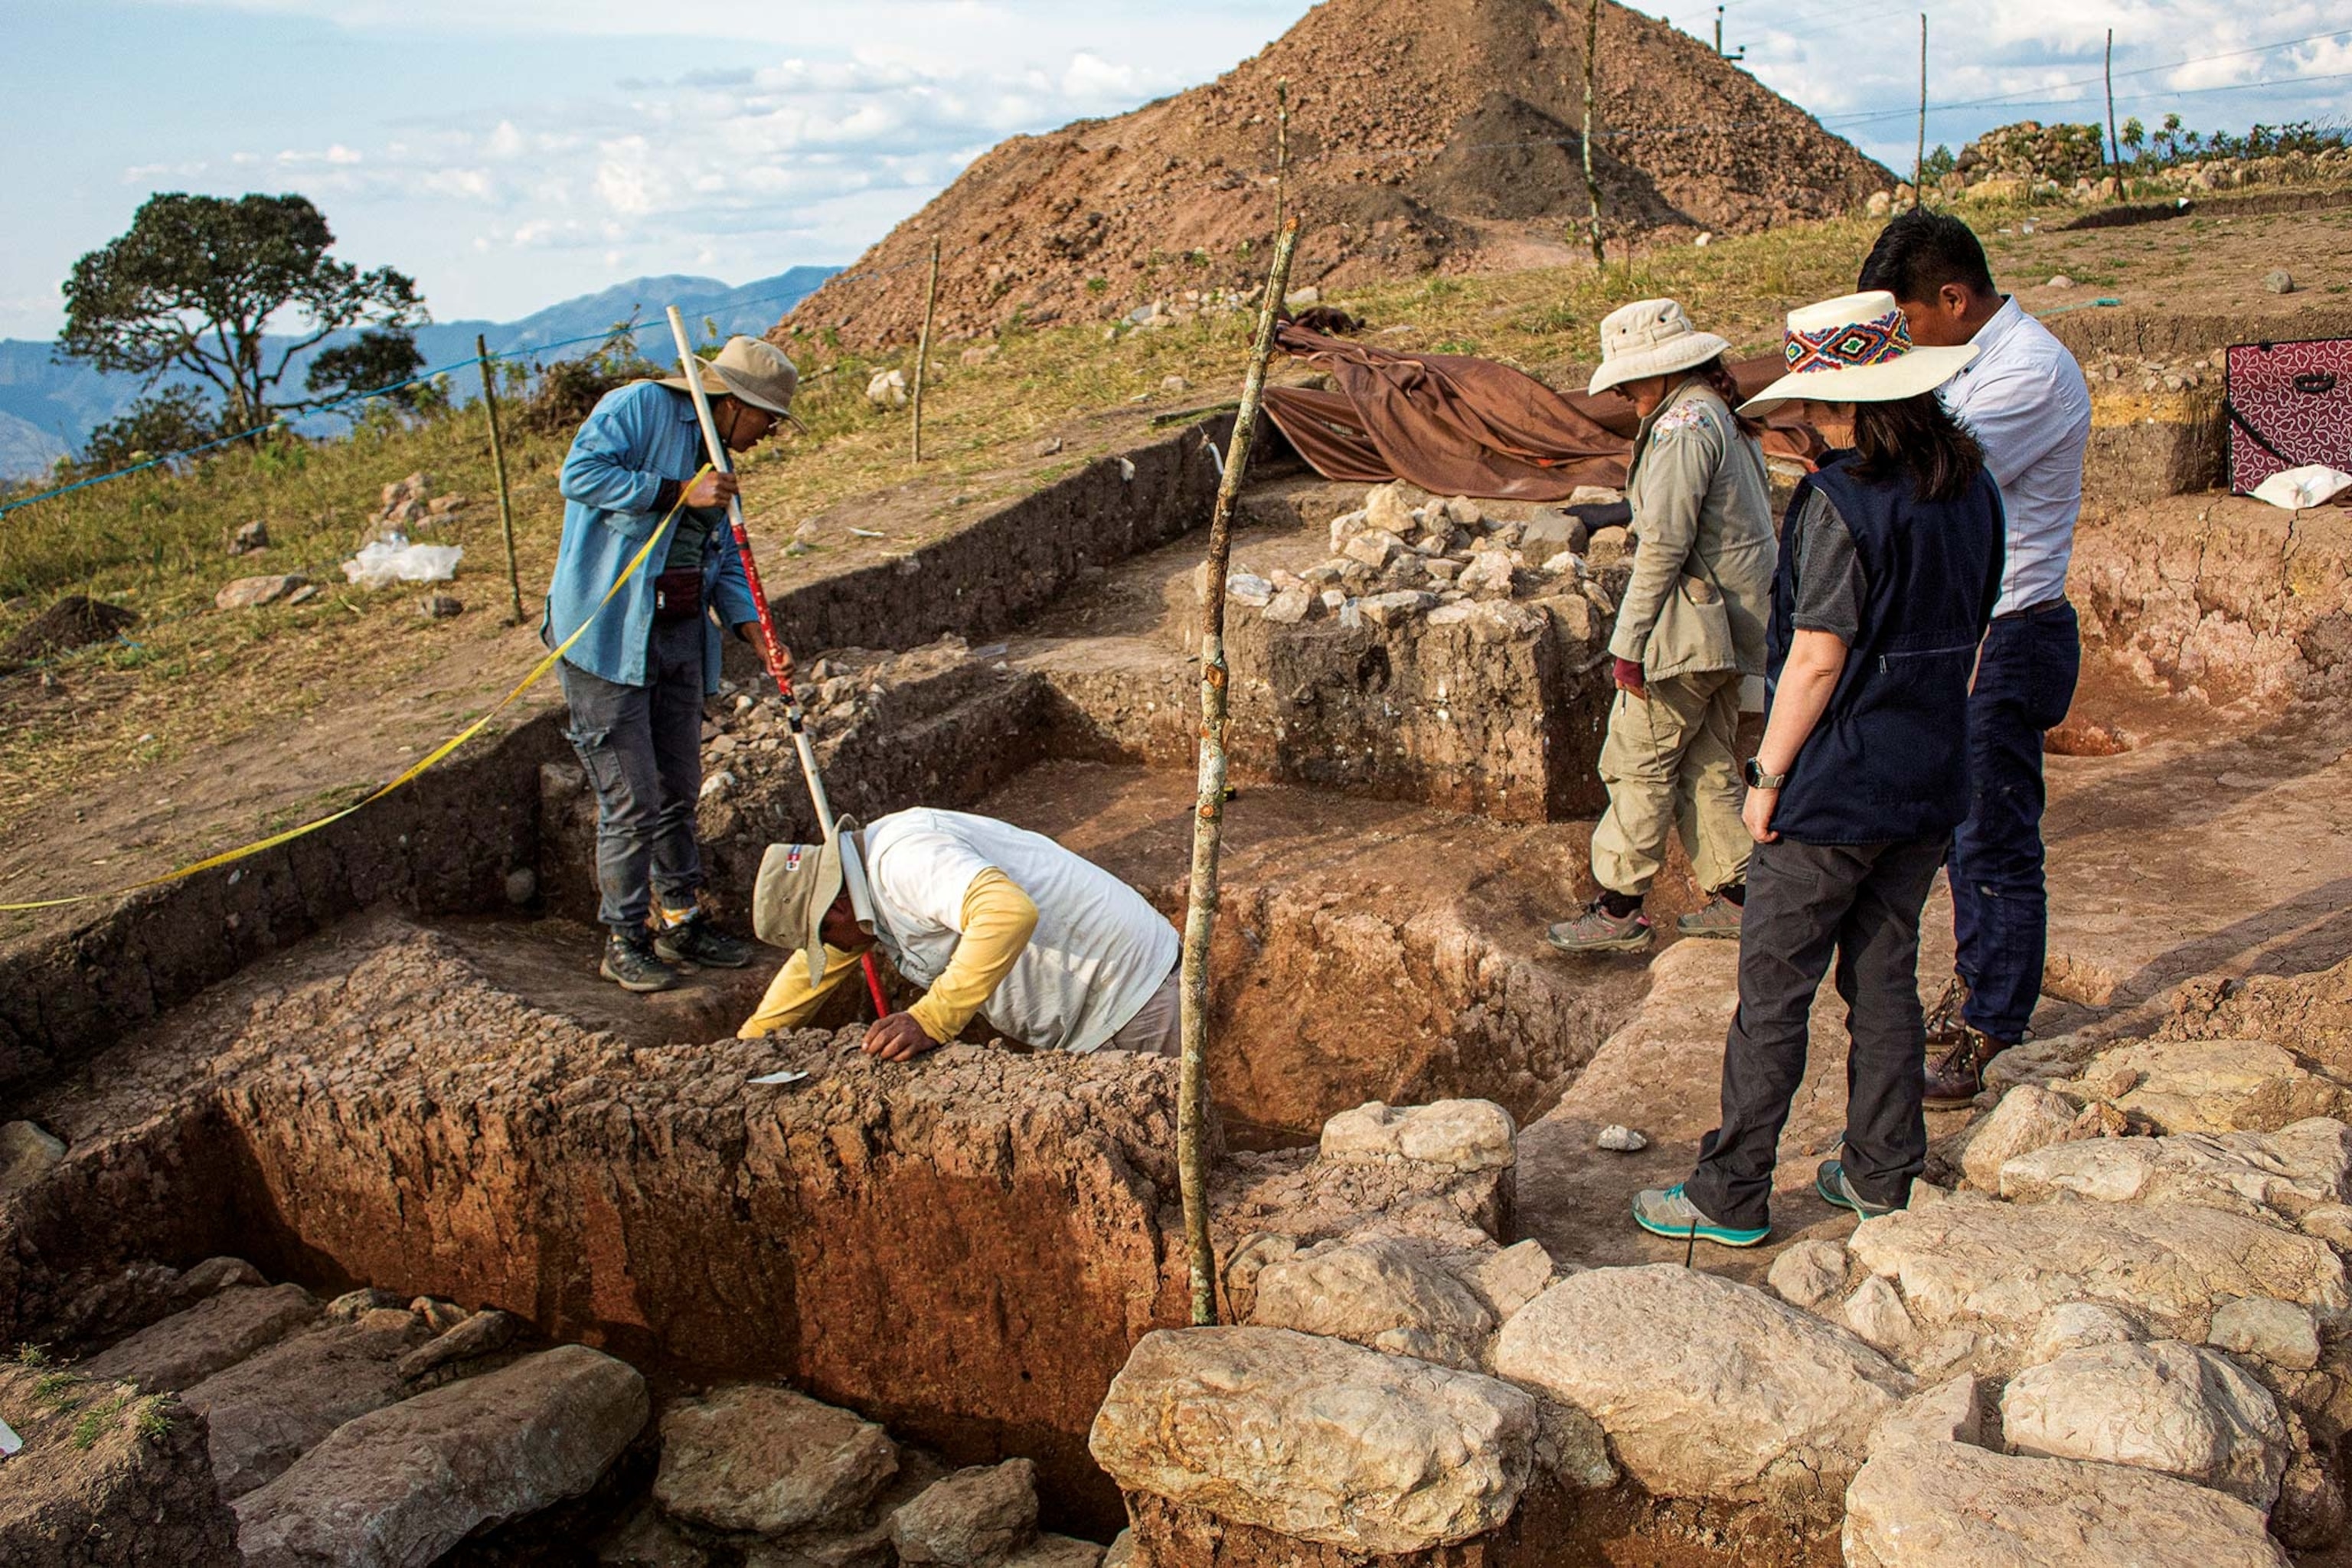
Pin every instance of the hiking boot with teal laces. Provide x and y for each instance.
(1598, 930)
(1676, 1217)
(1717, 917)
(698, 942)
(1831, 1182)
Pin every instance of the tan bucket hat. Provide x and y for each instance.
(752, 369)
(1650, 337)
(1856, 348)
(797, 883)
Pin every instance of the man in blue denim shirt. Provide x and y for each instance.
(637, 679)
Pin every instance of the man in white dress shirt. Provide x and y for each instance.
(2025, 398)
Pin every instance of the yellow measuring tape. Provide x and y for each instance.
(538, 671)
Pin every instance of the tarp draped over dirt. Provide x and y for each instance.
(1458, 425)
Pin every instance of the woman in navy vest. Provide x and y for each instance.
(1890, 562)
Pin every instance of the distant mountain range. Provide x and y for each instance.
(47, 408)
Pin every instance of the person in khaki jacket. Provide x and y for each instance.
(1691, 626)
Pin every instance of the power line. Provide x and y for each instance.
(2161, 95)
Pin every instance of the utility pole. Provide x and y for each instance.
(1919, 163)
(1592, 77)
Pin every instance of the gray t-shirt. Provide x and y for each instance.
(1830, 580)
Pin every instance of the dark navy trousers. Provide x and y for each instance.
(2000, 909)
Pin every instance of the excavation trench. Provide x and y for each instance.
(397, 1079)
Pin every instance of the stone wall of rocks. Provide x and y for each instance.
(1447, 652)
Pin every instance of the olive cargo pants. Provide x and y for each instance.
(1669, 766)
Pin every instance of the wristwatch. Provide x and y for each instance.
(1758, 779)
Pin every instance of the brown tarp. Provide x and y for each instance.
(1457, 425)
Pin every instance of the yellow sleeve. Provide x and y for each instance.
(998, 920)
(791, 1001)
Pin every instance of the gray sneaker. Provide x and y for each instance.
(1717, 917)
(1598, 930)
(632, 966)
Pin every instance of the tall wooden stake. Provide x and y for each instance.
(1281, 148)
(2115, 149)
(1919, 163)
(1208, 826)
(923, 346)
(1592, 77)
(498, 462)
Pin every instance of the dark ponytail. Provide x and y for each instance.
(1916, 436)
(1717, 376)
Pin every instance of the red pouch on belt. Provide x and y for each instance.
(677, 595)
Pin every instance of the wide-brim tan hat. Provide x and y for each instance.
(1856, 349)
(753, 370)
(796, 885)
(1650, 337)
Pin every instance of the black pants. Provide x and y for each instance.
(1807, 902)
(642, 746)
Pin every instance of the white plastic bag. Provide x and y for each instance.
(382, 563)
(2313, 484)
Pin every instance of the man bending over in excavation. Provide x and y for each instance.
(1051, 950)
(637, 681)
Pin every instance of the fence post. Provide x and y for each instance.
(2115, 148)
(1208, 825)
(1281, 148)
(1591, 73)
(498, 462)
(923, 347)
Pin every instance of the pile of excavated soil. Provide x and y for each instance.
(1422, 133)
(74, 621)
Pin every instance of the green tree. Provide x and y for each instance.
(371, 360)
(197, 281)
(158, 424)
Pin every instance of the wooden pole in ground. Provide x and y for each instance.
(1208, 825)
(2115, 149)
(1281, 148)
(498, 462)
(1592, 77)
(1919, 161)
(923, 347)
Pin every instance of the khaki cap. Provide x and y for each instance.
(796, 885)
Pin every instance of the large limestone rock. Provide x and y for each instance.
(2209, 1086)
(399, 1486)
(1809, 1272)
(769, 1460)
(270, 1409)
(105, 1477)
(1998, 1269)
(977, 1517)
(1378, 1292)
(2290, 1172)
(1946, 1505)
(2280, 1332)
(1457, 1134)
(2181, 1409)
(1706, 1388)
(2028, 1118)
(1316, 1438)
(215, 1334)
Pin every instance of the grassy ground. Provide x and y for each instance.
(191, 679)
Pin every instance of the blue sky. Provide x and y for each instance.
(512, 152)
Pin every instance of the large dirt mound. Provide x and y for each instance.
(1424, 133)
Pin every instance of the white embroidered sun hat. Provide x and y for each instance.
(1856, 349)
(1650, 337)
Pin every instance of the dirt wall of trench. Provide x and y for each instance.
(2233, 598)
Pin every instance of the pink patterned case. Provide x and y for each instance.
(2288, 404)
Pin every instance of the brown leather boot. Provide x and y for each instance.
(1956, 1072)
